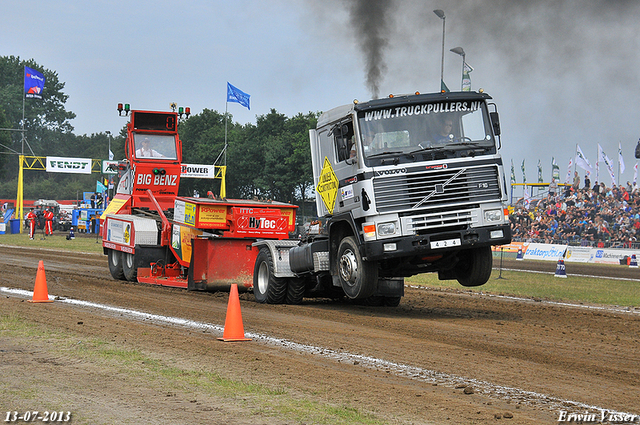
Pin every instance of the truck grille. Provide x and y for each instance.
(447, 193)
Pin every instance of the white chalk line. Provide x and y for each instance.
(412, 372)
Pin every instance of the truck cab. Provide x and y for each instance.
(413, 184)
(154, 154)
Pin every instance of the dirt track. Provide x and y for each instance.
(522, 361)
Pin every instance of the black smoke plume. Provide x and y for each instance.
(371, 21)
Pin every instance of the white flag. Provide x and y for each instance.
(609, 163)
(110, 155)
(466, 78)
(635, 174)
(582, 161)
(555, 169)
(568, 179)
(527, 197)
(620, 159)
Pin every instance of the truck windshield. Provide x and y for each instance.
(161, 146)
(421, 127)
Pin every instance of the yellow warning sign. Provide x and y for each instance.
(328, 186)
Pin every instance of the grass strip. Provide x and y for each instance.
(165, 375)
(58, 241)
(546, 286)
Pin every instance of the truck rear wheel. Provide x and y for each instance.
(295, 290)
(115, 264)
(357, 277)
(266, 287)
(129, 268)
(474, 266)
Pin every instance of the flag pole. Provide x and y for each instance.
(597, 166)
(226, 118)
(20, 194)
(619, 154)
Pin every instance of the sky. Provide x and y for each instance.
(561, 73)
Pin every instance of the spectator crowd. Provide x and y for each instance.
(596, 216)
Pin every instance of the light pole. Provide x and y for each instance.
(440, 14)
(109, 138)
(110, 158)
(460, 51)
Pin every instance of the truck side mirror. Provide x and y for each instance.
(495, 122)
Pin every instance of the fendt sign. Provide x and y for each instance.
(56, 164)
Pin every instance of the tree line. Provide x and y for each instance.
(269, 159)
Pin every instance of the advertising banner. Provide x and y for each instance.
(579, 254)
(611, 256)
(575, 254)
(109, 167)
(198, 171)
(547, 252)
(56, 164)
(512, 247)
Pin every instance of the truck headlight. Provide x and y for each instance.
(387, 229)
(493, 216)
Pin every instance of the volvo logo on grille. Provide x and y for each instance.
(389, 172)
(439, 188)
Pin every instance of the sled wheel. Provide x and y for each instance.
(129, 267)
(115, 264)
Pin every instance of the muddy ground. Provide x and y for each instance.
(440, 357)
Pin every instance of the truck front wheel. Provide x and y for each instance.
(357, 277)
(474, 266)
(266, 287)
(129, 267)
(115, 264)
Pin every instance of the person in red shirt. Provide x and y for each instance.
(31, 218)
(48, 216)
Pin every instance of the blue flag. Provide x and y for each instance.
(33, 83)
(236, 95)
(100, 187)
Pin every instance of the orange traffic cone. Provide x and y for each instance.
(40, 293)
(233, 329)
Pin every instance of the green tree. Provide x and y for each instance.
(286, 175)
(202, 138)
(42, 117)
(299, 160)
(5, 143)
(46, 124)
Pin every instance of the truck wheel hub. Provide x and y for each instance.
(348, 266)
(263, 277)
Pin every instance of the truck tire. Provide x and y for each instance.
(115, 264)
(266, 287)
(392, 301)
(129, 268)
(358, 277)
(295, 290)
(380, 301)
(474, 267)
